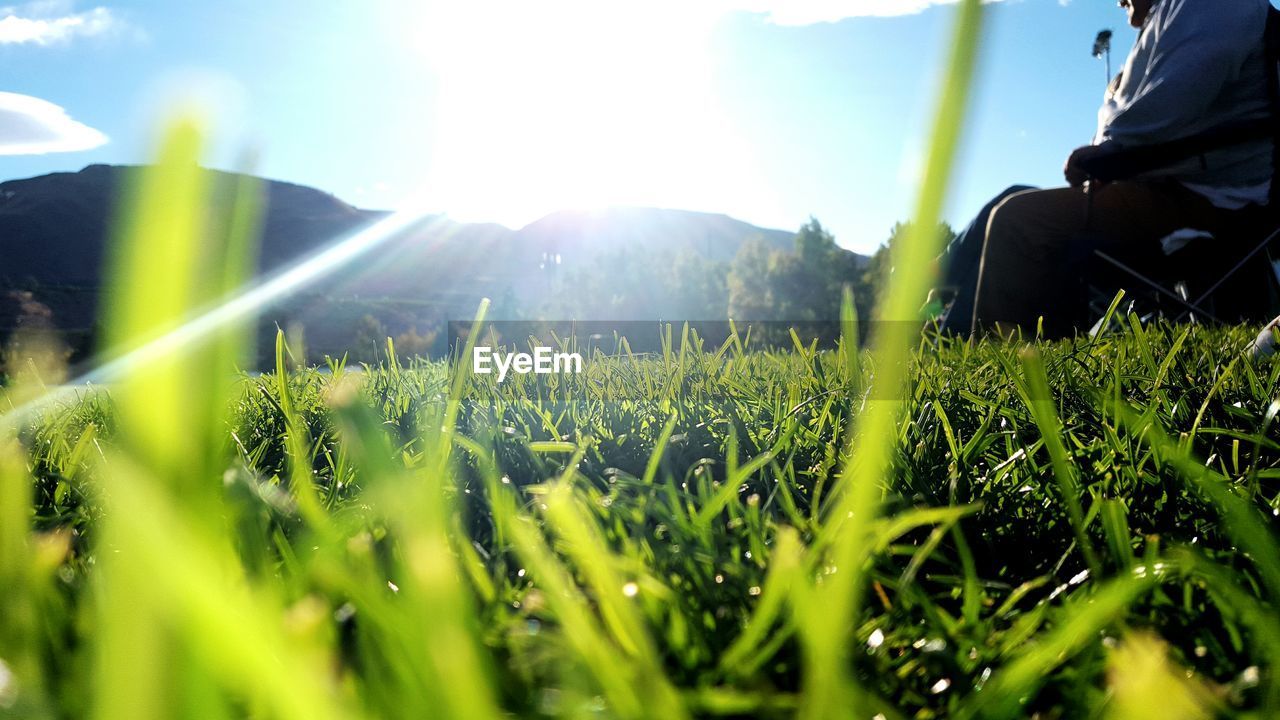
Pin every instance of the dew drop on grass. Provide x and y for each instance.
(940, 686)
(753, 591)
(719, 579)
(876, 639)
(394, 588)
(630, 589)
(550, 702)
(8, 688)
(520, 572)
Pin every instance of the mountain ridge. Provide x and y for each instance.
(55, 233)
(56, 209)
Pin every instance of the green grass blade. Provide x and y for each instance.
(828, 689)
(1003, 695)
(1039, 401)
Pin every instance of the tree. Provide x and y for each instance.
(803, 285)
(412, 343)
(749, 291)
(698, 288)
(801, 288)
(879, 269)
(370, 340)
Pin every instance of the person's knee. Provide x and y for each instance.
(1005, 219)
(1014, 190)
(1018, 203)
(1033, 222)
(1001, 198)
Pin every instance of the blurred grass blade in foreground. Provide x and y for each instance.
(178, 627)
(829, 690)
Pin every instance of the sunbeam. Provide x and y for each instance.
(242, 305)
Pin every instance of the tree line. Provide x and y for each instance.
(791, 286)
(800, 284)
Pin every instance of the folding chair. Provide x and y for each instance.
(1196, 280)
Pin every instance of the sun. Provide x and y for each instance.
(573, 104)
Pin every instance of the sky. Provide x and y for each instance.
(771, 111)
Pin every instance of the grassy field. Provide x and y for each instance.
(916, 530)
(1087, 529)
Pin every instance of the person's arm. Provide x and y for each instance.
(1074, 169)
(1199, 46)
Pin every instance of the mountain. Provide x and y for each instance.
(55, 231)
(574, 234)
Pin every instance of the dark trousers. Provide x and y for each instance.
(1023, 257)
(960, 262)
(1040, 244)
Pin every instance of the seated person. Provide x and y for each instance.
(1196, 65)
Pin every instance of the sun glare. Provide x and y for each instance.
(577, 104)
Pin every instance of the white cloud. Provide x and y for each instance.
(445, 15)
(48, 23)
(811, 12)
(31, 126)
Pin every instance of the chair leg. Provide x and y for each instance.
(1189, 308)
(1262, 247)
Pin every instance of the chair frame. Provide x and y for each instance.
(1134, 161)
(1200, 307)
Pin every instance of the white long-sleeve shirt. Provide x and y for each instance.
(1196, 65)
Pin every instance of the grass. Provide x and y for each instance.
(974, 530)
(577, 545)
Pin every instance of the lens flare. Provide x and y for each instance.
(243, 305)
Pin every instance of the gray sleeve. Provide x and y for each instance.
(1199, 46)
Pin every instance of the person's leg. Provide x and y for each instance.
(1037, 243)
(960, 262)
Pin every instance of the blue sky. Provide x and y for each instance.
(504, 110)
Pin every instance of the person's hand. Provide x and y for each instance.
(1073, 170)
